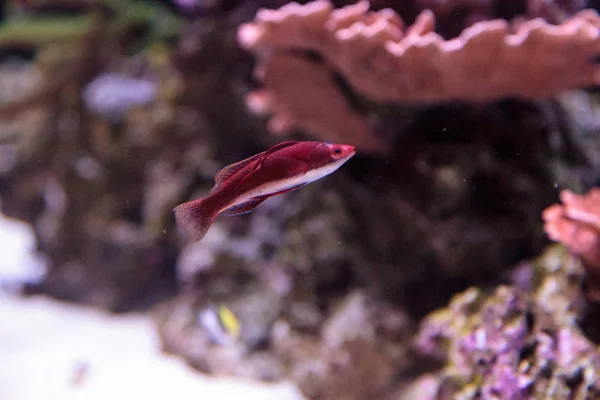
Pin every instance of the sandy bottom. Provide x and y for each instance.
(52, 350)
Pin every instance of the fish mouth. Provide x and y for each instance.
(349, 150)
(349, 156)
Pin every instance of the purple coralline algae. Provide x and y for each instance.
(514, 343)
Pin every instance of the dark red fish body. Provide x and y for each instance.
(240, 187)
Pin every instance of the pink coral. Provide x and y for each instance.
(384, 61)
(576, 224)
(387, 63)
(312, 102)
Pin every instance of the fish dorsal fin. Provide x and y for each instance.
(273, 149)
(244, 207)
(230, 170)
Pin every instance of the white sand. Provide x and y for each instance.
(51, 350)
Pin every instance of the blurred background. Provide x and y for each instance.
(423, 269)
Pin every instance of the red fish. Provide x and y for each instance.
(242, 186)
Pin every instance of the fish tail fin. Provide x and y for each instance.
(195, 218)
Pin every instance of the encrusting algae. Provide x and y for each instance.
(517, 342)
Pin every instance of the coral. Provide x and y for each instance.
(576, 224)
(385, 62)
(352, 351)
(310, 101)
(100, 194)
(310, 275)
(112, 94)
(183, 330)
(513, 343)
(355, 356)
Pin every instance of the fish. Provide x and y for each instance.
(220, 323)
(230, 321)
(239, 188)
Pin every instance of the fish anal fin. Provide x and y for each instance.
(230, 170)
(195, 218)
(244, 208)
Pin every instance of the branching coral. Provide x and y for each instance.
(576, 224)
(386, 62)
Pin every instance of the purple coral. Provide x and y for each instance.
(507, 347)
(111, 94)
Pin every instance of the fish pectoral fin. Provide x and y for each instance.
(288, 190)
(244, 208)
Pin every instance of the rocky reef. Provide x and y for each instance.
(133, 106)
(518, 342)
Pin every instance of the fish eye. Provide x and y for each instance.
(337, 151)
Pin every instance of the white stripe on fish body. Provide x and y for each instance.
(278, 186)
